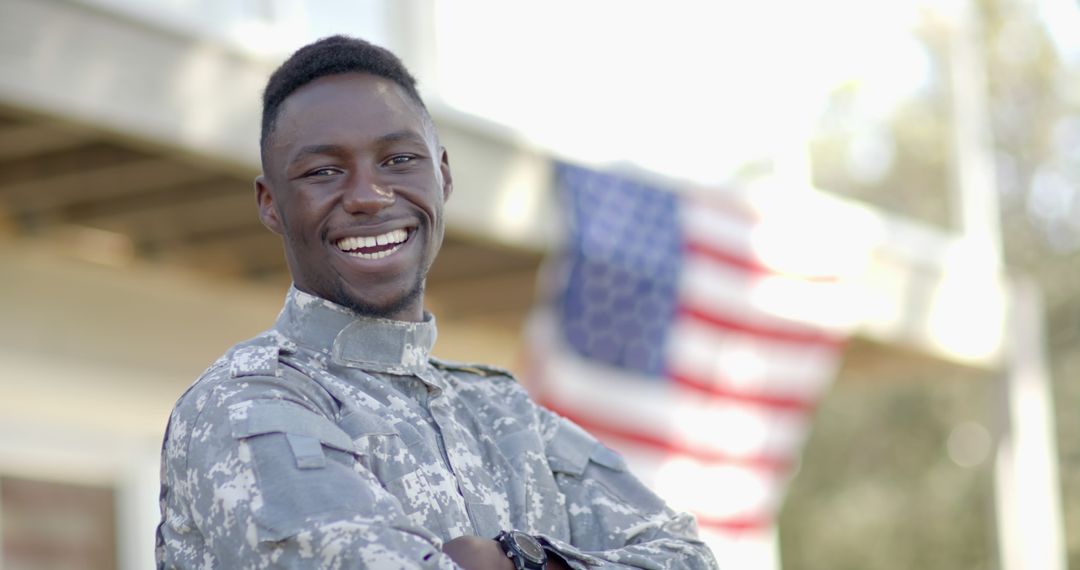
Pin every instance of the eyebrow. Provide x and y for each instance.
(317, 149)
(404, 135)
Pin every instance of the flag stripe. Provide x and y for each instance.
(715, 390)
(715, 318)
(739, 363)
(719, 254)
(650, 440)
(705, 427)
(715, 490)
(734, 525)
(716, 224)
(768, 300)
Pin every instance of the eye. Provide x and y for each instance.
(322, 172)
(399, 159)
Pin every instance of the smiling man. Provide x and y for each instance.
(334, 439)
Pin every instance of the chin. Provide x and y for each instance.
(390, 308)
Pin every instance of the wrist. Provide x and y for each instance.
(477, 553)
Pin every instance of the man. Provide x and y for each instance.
(334, 440)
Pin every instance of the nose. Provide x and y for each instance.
(366, 195)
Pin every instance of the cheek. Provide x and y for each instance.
(302, 218)
(437, 222)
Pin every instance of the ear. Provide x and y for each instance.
(267, 210)
(447, 178)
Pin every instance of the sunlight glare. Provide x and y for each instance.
(687, 89)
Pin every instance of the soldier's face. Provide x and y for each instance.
(355, 183)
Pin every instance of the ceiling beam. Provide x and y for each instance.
(93, 154)
(171, 201)
(46, 192)
(236, 256)
(22, 141)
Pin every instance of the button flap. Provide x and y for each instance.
(572, 448)
(277, 416)
(359, 424)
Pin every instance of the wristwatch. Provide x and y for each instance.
(523, 550)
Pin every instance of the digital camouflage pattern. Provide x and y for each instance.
(336, 441)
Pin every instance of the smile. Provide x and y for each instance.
(373, 247)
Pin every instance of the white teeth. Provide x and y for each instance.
(357, 242)
(376, 255)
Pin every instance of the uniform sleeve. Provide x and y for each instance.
(615, 521)
(271, 482)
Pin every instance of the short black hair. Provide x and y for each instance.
(330, 56)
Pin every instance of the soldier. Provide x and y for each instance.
(334, 439)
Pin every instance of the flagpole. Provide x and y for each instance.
(1026, 483)
(1028, 495)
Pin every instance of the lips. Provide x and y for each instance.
(373, 247)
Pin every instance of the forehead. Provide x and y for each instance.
(353, 105)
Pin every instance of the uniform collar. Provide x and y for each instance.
(383, 345)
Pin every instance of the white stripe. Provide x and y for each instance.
(773, 301)
(794, 241)
(741, 363)
(716, 490)
(709, 224)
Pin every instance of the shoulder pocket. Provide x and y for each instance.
(306, 431)
(572, 448)
(304, 467)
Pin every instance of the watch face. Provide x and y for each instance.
(528, 546)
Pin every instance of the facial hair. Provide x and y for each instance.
(384, 311)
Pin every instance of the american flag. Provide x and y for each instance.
(677, 333)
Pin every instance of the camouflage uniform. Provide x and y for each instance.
(335, 441)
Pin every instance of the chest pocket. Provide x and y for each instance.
(395, 453)
(605, 499)
(390, 450)
(536, 503)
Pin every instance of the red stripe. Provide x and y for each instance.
(606, 432)
(733, 525)
(746, 263)
(770, 333)
(790, 403)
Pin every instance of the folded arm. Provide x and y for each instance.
(615, 521)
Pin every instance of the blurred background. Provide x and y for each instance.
(914, 164)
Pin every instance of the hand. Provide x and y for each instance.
(475, 553)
